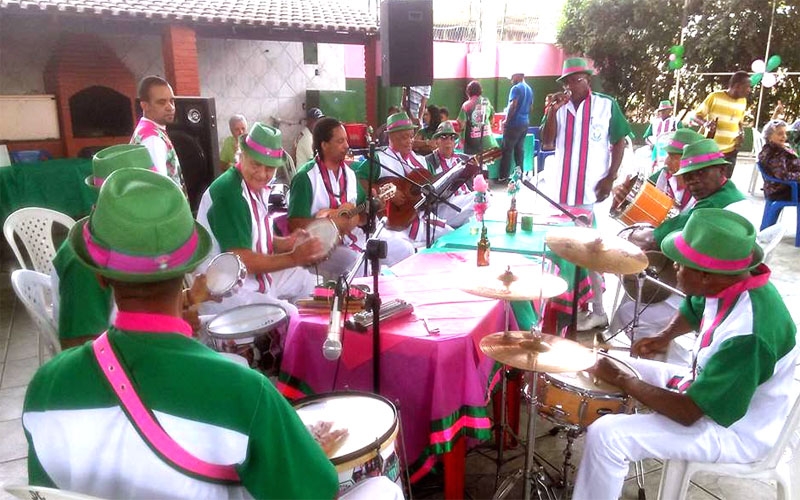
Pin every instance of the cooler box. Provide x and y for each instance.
(497, 122)
(356, 134)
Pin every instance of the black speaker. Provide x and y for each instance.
(407, 42)
(194, 135)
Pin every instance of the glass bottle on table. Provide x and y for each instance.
(483, 249)
(511, 217)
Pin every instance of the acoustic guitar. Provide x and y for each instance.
(349, 210)
(400, 216)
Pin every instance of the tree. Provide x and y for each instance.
(629, 42)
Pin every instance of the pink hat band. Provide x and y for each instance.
(258, 148)
(116, 261)
(676, 144)
(708, 261)
(701, 158)
(399, 123)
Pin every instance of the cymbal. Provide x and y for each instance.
(520, 283)
(545, 353)
(659, 267)
(587, 247)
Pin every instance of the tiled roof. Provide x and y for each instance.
(316, 15)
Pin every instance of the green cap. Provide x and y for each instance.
(445, 128)
(140, 230)
(575, 65)
(665, 104)
(399, 121)
(263, 144)
(680, 138)
(113, 158)
(715, 241)
(700, 154)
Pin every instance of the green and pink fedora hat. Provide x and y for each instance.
(264, 144)
(113, 158)
(715, 241)
(399, 121)
(665, 104)
(575, 65)
(141, 230)
(680, 139)
(700, 154)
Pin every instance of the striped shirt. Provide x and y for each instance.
(728, 112)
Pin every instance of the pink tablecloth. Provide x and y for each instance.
(440, 382)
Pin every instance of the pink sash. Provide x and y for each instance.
(146, 424)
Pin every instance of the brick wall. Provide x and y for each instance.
(179, 46)
(79, 61)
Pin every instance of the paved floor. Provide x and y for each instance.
(18, 361)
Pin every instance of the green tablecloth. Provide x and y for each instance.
(529, 243)
(54, 184)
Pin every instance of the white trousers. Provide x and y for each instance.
(344, 257)
(454, 219)
(613, 441)
(374, 488)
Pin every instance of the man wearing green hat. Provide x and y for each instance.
(398, 158)
(661, 126)
(587, 130)
(730, 404)
(235, 210)
(145, 410)
(442, 160)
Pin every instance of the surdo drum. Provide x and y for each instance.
(372, 425)
(645, 203)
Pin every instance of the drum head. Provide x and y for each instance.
(326, 231)
(584, 382)
(247, 321)
(659, 267)
(223, 273)
(367, 417)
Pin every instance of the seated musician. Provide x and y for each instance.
(398, 159)
(81, 304)
(235, 211)
(702, 169)
(214, 442)
(731, 405)
(327, 187)
(441, 160)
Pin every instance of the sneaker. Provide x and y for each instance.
(592, 320)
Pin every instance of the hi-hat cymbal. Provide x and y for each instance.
(544, 353)
(514, 283)
(587, 247)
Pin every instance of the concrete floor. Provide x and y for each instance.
(18, 361)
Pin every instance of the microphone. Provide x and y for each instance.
(332, 347)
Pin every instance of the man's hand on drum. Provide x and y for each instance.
(329, 440)
(622, 189)
(307, 249)
(650, 347)
(608, 371)
(199, 292)
(603, 188)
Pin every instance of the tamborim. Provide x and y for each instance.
(371, 422)
(575, 400)
(242, 324)
(225, 272)
(327, 232)
(644, 203)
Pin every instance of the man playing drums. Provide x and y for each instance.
(327, 187)
(731, 403)
(441, 160)
(399, 157)
(235, 211)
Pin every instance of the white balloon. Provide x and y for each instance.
(769, 80)
(759, 66)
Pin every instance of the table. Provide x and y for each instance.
(441, 382)
(53, 184)
(530, 243)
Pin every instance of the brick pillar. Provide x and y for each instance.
(371, 80)
(179, 47)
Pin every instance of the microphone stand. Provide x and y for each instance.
(580, 221)
(376, 250)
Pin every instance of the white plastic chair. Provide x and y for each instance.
(779, 466)
(33, 289)
(28, 492)
(769, 238)
(758, 144)
(34, 227)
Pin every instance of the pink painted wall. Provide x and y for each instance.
(466, 60)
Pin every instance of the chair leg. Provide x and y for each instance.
(770, 216)
(674, 481)
(797, 229)
(753, 180)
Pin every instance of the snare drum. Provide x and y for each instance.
(327, 232)
(236, 330)
(645, 203)
(225, 272)
(575, 400)
(371, 422)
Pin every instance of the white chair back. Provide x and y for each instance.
(769, 238)
(784, 438)
(34, 227)
(33, 290)
(28, 492)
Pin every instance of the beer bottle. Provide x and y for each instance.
(483, 249)
(511, 217)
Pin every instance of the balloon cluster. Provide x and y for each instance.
(481, 202)
(676, 57)
(762, 71)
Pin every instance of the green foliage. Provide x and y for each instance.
(629, 42)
